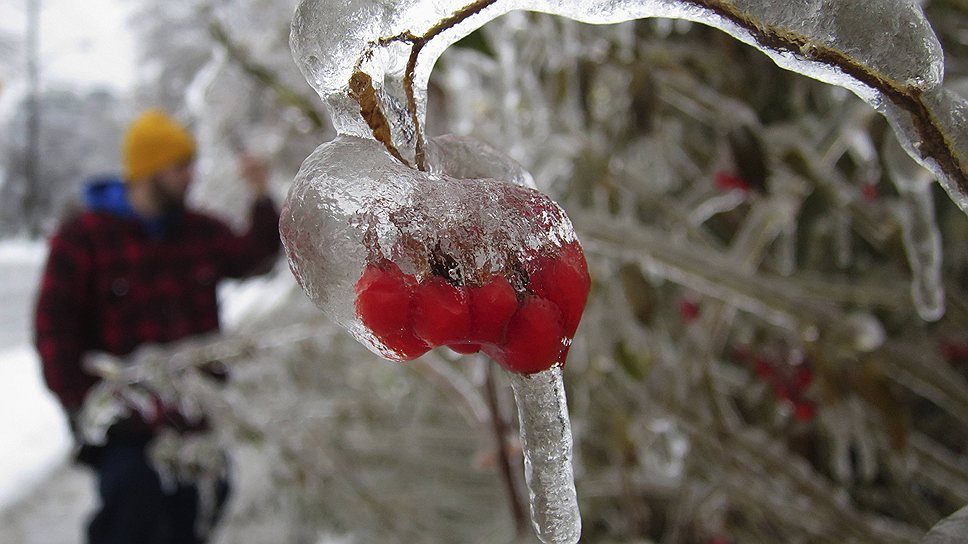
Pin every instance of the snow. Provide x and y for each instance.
(34, 438)
(34, 435)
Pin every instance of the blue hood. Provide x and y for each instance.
(108, 194)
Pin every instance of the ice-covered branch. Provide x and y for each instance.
(884, 52)
(262, 73)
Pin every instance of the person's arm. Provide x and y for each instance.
(255, 251)
(62, 318)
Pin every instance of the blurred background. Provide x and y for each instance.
(775, 347)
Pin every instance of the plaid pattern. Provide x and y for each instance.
(109, 286)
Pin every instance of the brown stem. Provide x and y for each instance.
(262, 74)
(370, 108)
(500, 436)
(361, 90)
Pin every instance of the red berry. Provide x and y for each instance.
(535, 338)
(804, 411)
(492, 306)
(729, 182)
(802, 378)
(763, 368)
(870, 192)
(688, 310)
(563, 280)
(441, 314)
(383, 304)
(953, 351)
(782, 391)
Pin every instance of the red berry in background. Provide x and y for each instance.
(869, 192)
(383, 304)
(688, 310)
(763, 368)
(441, 314)
(802, 378)
(563, 279)
(954, 352)
(535, 338)
(728, 182)
(804, 411)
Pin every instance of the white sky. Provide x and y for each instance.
(82, 42)
(87, 41)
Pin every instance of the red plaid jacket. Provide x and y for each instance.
(110, 286)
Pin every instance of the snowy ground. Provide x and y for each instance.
(34, 443)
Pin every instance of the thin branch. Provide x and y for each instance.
(261, 73)
(500, 437)
(361, 87)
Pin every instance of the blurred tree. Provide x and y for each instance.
(79, 136)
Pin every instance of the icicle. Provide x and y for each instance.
(546, 440)
(922, 239)
(922, 242)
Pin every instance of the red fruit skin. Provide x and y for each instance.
(441, 313)
(383, 305)
(563, 280)
(492, 306)
(535, 338)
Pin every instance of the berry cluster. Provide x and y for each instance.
(526, 330)
(789, 381)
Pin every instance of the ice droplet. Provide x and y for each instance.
(546, 440)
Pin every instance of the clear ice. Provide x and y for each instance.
(920, 232)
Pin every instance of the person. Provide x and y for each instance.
(137, 267)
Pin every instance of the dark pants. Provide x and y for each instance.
(135, 508)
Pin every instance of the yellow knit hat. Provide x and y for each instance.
(154, 142)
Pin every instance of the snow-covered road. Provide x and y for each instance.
(33, 434)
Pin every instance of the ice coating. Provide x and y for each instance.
(546, 440)
(354, 206)
(884, 51)
(328, 38)
(462, 157)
